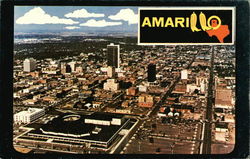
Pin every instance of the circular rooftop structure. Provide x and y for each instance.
(71, 117)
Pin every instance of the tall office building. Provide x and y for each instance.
(113, 55)
(29, 65)
(151, 72)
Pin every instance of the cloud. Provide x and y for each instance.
(38, 16)
(99, 23)
(126, 15)
(71, 27)
(82, 13)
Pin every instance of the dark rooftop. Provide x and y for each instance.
(78, 127)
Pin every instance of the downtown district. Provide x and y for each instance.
(154, 100)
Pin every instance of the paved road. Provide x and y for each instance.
(164, 97)
(208, 124)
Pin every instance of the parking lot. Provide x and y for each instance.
(165, 138)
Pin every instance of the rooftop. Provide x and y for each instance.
(77, 128)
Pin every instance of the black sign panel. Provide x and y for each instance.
(159, 26)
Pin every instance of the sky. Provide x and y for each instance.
(75, 19)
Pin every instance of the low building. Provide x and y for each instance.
(111, 85)
(132, 91)
(97, 119)
(182, 107)
(223, 98)
(221, 127)
(28, 116)
(146, 101)
(78, 132)
(30, 101)
(142, 88)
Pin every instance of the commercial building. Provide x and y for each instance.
(132, 91)
(29, 65)
(111, 71)
(77, 132)
(113, 55)
(72, 65)
(223, 97)
(145, 101)
(184, 74)
(111, 85)
(28, 116)
(151, 72)
(142, 88)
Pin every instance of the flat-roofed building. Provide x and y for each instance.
(28, 116)
(145, 101)
(96, 132)
(113, 55)
(223, 97)
(111, 85)
(29, 65)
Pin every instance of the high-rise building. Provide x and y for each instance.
(29, 65)
(111, 71)
(72, 65)
(184, 74)
(151, 72)
(113, 55)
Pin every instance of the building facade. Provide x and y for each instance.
(28, 116)
(151, 72)
(113, 55)
(111, 85)
(184, 74)
(29, 65)
(111, 71)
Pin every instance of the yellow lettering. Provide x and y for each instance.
(146, 21)
(179, 20)
(187, 22)
(169, 21)
(157, 22)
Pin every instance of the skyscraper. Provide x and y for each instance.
(29, 65)
(113, 55)
(151, 72)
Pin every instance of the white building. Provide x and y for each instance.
(29, 65)
(203, 87)
(28, 116)
(142, 88)
(111, 85)
(113, 121)
(191, 88)
(184, 74)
